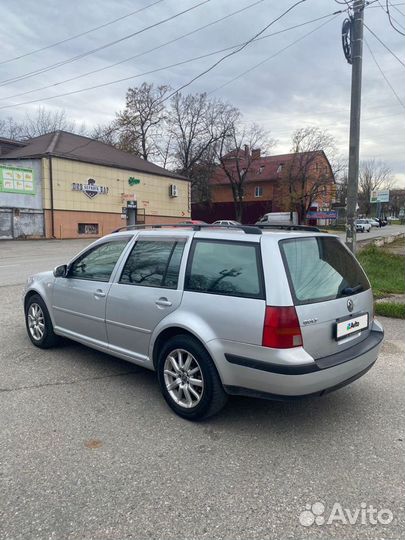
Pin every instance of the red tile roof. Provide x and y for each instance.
(267, 165)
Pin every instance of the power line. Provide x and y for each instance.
(387, 13)
(136, 55)
(392, 5)
(274, 55)
(390, 18)
(102, 47)
(108, 23)
(396, 9)
(102, 85)
(383, 74)
(248, 42)
(384, 45)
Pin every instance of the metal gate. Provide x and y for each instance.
(6, 223)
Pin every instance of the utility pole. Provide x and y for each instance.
(356, 41)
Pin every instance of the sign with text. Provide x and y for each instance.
(128, 197)
(91, 189)
(16, 180)
(380, 196)
(327, 214)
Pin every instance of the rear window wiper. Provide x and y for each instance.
(351, 290)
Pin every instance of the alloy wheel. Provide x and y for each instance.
(183, 378)
(36, 321)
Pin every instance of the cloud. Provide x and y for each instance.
(307, 84)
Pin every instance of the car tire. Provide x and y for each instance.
(38, 323)
(188, 398)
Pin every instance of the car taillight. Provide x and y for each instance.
(281, 328)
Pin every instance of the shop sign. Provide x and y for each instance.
(380, 196)
(327, 214)
(91, 189)
(128, 196)
(16, 180)
(133, 181)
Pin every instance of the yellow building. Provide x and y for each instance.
(87, 188)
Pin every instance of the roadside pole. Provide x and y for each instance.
(355, 108)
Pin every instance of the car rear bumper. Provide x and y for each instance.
(252, 375)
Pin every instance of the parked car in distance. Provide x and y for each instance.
(226, 222)
(279, 218)
(373, 222)
(192, 222)
(274, 314)
(363, 225)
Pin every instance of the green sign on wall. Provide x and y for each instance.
(133, 181)
(16, 180)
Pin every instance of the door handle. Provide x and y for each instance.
(99, 293)
(163, 302)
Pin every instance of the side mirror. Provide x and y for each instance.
(60, 271)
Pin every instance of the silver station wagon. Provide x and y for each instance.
(279, 313)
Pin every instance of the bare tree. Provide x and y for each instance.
(10, 129)
(105, 133)
(373, 175)
(196, 123)
(139, 125)
(46, 121)
(308, 175)
(39, 123)
(112, 134)
(236, 155)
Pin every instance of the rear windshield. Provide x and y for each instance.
(320, 269)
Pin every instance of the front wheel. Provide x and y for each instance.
(39, 324)
(189, 380)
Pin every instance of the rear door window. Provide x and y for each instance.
(228, 268)
(154, 263)
(321, 269)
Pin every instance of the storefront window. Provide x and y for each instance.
(88, 228)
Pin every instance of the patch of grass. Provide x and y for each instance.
(389, 309)
(385, 270)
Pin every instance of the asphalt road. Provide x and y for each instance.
(375, 232)
(89, 450)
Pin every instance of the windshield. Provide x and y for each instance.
(320, 269)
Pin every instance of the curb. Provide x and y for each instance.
(381, 240)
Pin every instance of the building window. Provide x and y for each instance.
(280, 168)
(258, 191)
(87, 228)
(260, 169)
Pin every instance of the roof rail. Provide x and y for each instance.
(307, 228)
(247, 229)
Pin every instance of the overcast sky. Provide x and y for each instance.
(308, 84)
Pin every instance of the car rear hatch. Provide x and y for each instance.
(331, 293)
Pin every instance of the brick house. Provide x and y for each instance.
(278, 183)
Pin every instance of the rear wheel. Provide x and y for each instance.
(188, 379)
(39, 324)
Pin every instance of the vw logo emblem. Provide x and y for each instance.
(350, 304)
